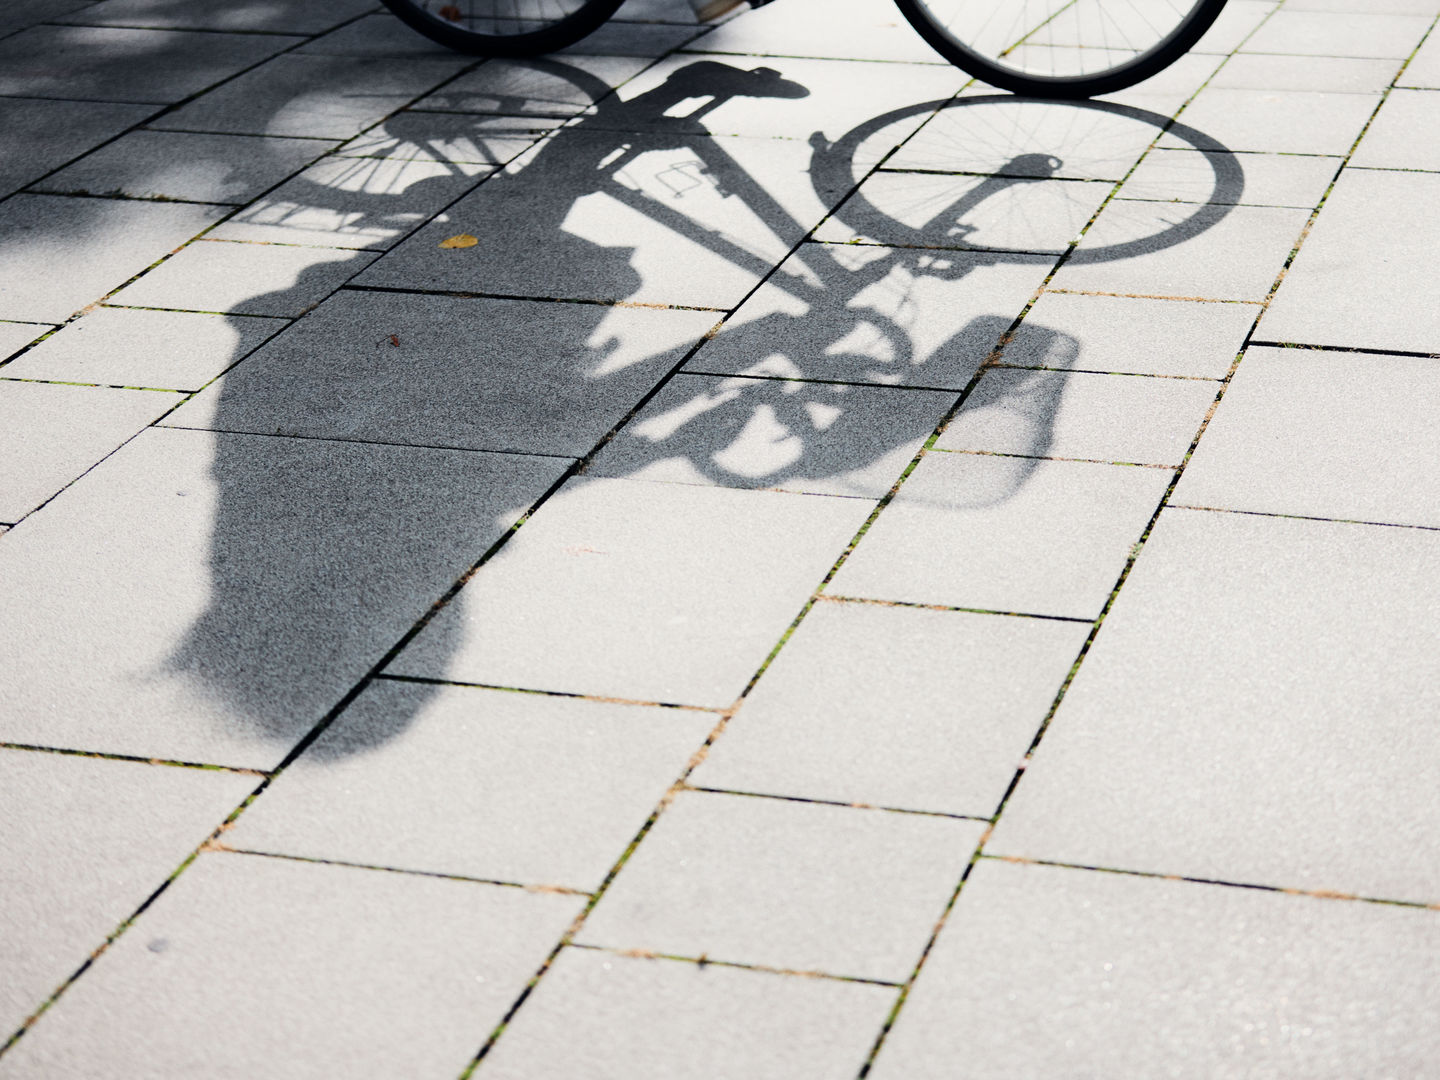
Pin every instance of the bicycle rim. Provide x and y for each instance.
(504, 27)
(1061, 48)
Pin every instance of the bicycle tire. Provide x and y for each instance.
(504, 27)
(977, 48)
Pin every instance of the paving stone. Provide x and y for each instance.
(1391, 142)
(184, 165)
(14, 336)
(96, 63)
(1383, 7)
(1270, 179)
(51, 434)
(457, 138)
(656, 225)
(1363, 277)
(19, 14)
(609, 1017)
(1424, 67)
(896, 707)
(171, 350)
(472, 374)
(819, 438)
(624, 38)
(292, 969)
(792, 885)
(1066, 414)
(524, 788)
(244, 279)
(868, 30)
(42, 134)
(378, 33)
(926, 210)
(1255, 710)
(275, 16)
(207, 598)
(1043, 971)
(1005, 534)
(1212, 252)
(86, 841)
(352, 202)
(1321, 434)
(1237, 21)
(65, 253)
(1329, 74)
(1284, 122)
(1367, 33)
(649, 592)
(535, 87)
(325, 97)
(862, 314)
(680, 12)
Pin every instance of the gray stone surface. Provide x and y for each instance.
(1323, 434)
(14, 336)
(1050, 972)
(896, 707)
(62, 253)
(1237, 22)
(651, 592)
(784, 884)
(619, 37)
(143, 66)
(1222, 728)
(19, 14)
(378, 33)
(525, 788)
(867, 30)
(274, 16)
(86, 841)
(819, 438)
(541, 87)
(1126, 418)
(1278, 122)
(457, 138)
(1368, 258)
(1361, 33)
(41, 134)
(51, 434)
(184, 165)
(1330, 74)
(245, 279)
(171, 350)
(1005, 534)
(472, 374)
(1424, 67)
(862, 314)
(208, 597)
(1391, 142)
(607, 1017)
(326, 97)
(1209, 253)
(1270, 179)
(1131, 334)
(327, 969)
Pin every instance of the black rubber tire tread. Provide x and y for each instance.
(565, 32)
(1155, 59)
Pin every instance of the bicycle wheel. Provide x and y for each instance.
(1061, 48)
(504, 27)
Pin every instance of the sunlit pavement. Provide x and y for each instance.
(727, 552)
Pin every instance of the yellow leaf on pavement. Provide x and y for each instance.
(462, 240)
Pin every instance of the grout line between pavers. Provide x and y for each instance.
(836, 598)
(134, 759)
(704, 960)
(426, 680)
(366, 442)
(1052, 457)
(219, 846)
(1305, 517)
(1308, 347)
(877, 808)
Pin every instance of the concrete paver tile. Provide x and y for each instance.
(1320, 74)
(14, 336)
(1005, 534)
(863, 314)
(1044, 971)
(1221, 729)
(860, 707)
(1366, 33)
(273, 16)
(791, 885)
(184, 165)
(326, 97)
(868, 30)
(171, 350)
(325, 969)
(524, 788)
(818, 438)
(1424, 67)
(455, 138)
(86, 841)
(534, 87)
(1131, 334)
(246, 279)
(608, 1017)
(1270, 179)
(621, 37)
(378, 33)
(1283, 122)
(64, 253)
(472, 374)
(1323, 434)
(96, 63)
(203, 597)
(929, 210)
(650, 592)
(677, 12)
(1380, 7)
(21, 14)
(1237, 21)
(51, 434)
(41, 134)
(1365, 274)
(1392, 143)
(1061, 414)
(1158, 249)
